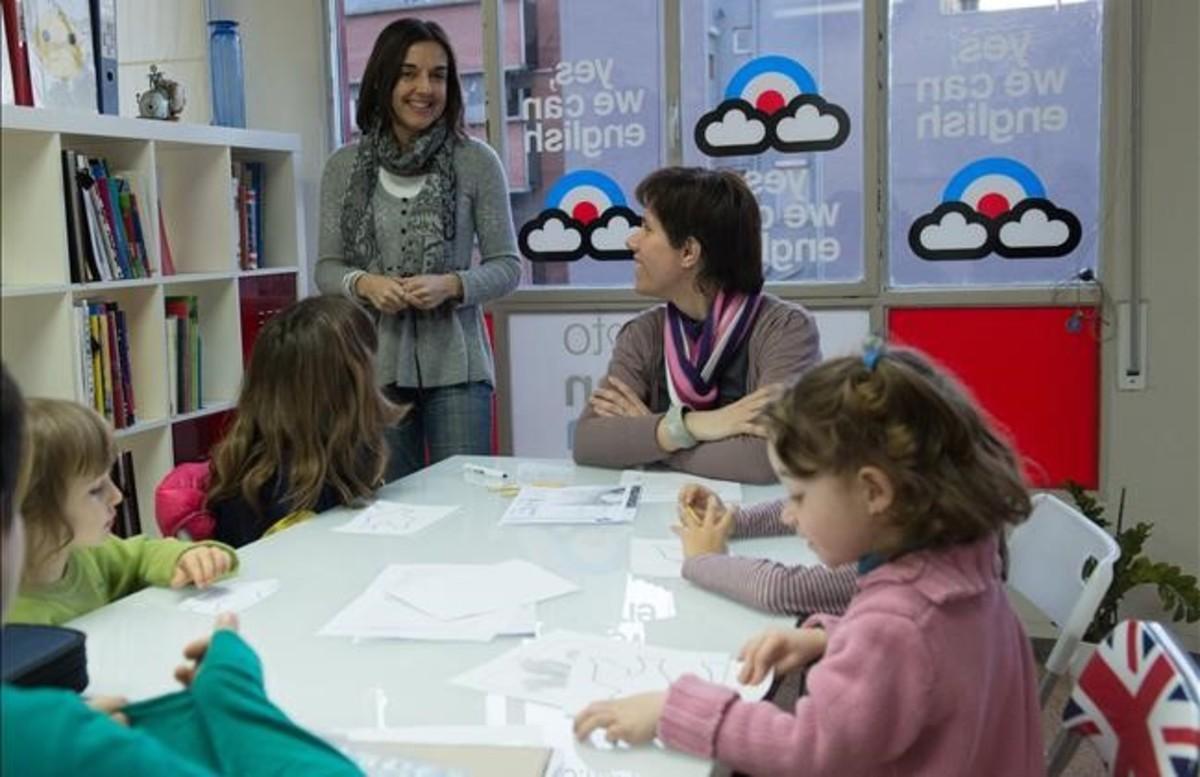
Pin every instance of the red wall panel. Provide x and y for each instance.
(1036, 372)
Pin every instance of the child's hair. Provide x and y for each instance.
(67, 442)
(955, 479)
(309, 411)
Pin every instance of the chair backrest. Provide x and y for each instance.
(1047, 554)
(1138, 701)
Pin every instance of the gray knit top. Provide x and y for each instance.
(449, 343)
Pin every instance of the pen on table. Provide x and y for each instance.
(487, 472)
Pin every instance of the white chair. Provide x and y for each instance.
(1047, 554)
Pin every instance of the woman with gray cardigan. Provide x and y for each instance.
(401, 211)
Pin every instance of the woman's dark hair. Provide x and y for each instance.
(383, 71)
(12, 444)
(717, 209)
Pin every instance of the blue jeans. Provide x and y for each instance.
(444, 421)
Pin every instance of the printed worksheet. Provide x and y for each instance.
(663, 487)
(386, 517)
(458, 590)
(570, 670)
(573, 504)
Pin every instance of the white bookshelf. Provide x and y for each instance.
(186, 168)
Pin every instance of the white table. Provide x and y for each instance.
(333, 684)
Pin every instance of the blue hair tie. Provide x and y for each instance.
(872, 350)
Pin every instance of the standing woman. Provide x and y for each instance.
(401, 211)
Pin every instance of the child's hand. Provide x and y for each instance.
(633, 719)
(781, 650)
(194, 651)
(697, 498)
(201, 566)
(110, 706)
(706, 532)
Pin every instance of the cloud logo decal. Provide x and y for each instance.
(584, 215)
(994, 205)
(771, 102)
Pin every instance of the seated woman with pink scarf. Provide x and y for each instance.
(688, 379)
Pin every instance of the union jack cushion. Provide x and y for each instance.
(1138, 699)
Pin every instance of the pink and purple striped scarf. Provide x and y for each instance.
(696, 354)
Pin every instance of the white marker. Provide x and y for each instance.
(478, 470)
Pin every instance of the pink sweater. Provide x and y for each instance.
(769, 585)
(928, 673)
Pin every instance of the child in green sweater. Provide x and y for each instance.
(221, 723)
(74, 563)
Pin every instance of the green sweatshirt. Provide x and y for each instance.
(48, 732)
(102, 574)
(223, 724)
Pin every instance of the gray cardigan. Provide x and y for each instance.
(451, 343)
(783, 344)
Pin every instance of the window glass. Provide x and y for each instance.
(773, 89)
(993, 141)
(587, 129)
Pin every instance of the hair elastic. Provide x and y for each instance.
(873, 348)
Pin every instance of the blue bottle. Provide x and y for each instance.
(225, 68)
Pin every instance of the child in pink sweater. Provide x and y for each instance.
(887, 464)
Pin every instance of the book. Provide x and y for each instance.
(8, 94)
(104, 49)
(16, 42)
(97, 362)
(129, 521)
(106, 374)
(107, 191)
(164, 244)
(62, 71)
(119, 419)
(77, 240)
(126, 372)
(172, 327)
(81, 337)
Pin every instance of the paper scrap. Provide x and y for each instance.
(230, 596)
(386, 517)
(459, 590)
(376, 614)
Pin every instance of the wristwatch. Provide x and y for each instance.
(676, 429)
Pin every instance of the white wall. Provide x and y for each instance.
(1153, 436)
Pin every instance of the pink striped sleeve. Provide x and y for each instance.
(773, 587)
(764, 519)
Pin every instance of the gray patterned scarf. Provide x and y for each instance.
(430, 153)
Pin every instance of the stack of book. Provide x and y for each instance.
(129, 520)
(247, 213)
(183, 354)
(105, 377)
(105, 235)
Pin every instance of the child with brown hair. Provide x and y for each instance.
(889, 465)
(310, 419)
(74, 563)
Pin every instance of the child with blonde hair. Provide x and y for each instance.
(889, 465)
(74, 563)
(310, 421)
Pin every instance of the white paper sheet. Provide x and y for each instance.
(230, 596)
(459, 590)
(573, 504)
(655, 558)
(663, 487)
(569, 670)
(387, 517)
(376, 614)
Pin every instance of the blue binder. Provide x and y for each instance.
(104, 49)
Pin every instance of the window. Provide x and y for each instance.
(994, 142)
(789, 73)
